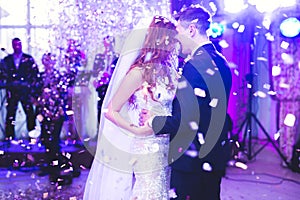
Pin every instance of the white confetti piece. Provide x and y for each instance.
(201, 138)
(210, 71)
(276, 136)
(241, 165)
(82, 167)
(69, 112)
(191, 153)
(199, 92)
(45, 195)
(284, 45)
(8, 174)
(32, 176)
(262, 59)
(272, 93)
(284, 85)
(270, 37)
(193, 125)
(55, 162)
(288, 59)
(14, 142)
(182, 85)
(232, 65)
(172, 193)
(68, 155)
(267, 86)
(260, 94)
(223, 44)
(207, 167)
(241, 28)
(214, 102)
(289, 120)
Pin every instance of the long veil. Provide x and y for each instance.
(113, 145)
(112, 164)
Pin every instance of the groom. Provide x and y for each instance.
(198, 126)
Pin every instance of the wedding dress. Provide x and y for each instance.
(127, 167)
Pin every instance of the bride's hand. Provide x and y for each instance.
(143, 131)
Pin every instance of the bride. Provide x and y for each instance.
(129, 164)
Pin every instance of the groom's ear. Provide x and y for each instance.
(192, 30)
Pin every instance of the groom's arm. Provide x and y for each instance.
(168, 124)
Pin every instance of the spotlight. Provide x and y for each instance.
(216, 29)
(290, 27)
(234, 6)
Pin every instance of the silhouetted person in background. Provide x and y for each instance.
(21, 73)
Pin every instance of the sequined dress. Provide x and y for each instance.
(126, 167)
(150, 168)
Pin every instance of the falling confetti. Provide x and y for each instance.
(193, 125)
(241, 165)
(260, 94)
(210, 71)
(199, 92)
(182, 85)
(207, 167)
(284, 45)
(289, 120)
(214, 102)
(201, 138)
(172, 193)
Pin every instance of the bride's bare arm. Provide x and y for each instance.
(132, 81)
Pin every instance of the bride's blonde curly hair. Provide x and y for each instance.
(158, 52)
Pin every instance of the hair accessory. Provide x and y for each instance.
(161, 18)
(167, 40)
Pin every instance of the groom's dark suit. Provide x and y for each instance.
(198, 126)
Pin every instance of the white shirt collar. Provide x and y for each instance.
(200, 45)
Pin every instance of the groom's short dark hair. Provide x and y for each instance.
(197, 15)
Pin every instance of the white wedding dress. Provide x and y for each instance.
(126, 167)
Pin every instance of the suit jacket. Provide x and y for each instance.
(199, 122)
(21, 80)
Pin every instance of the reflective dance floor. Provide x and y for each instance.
(264, 178)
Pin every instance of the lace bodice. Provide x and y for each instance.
(160, 101)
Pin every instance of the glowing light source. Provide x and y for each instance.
(267, 5)
(234, 6)
(271, 5)
(290, 27)
(216, 29)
